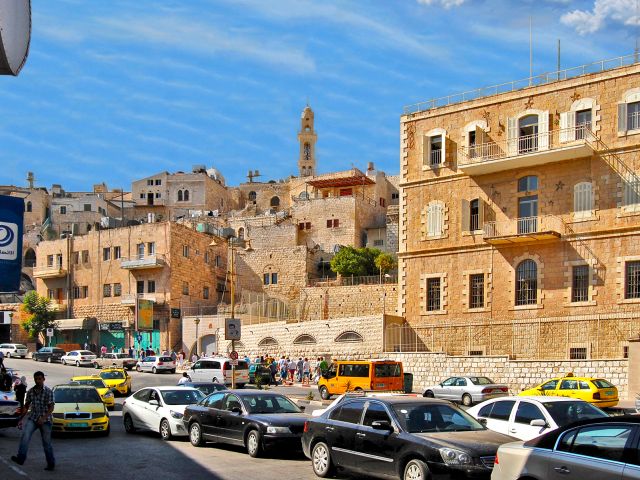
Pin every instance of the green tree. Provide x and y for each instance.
(385, 262)
(355, 261)
(40, 314)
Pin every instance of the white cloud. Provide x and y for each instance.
(444, 3)
(590, 21)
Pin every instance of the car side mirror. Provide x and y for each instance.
(154, 402)
(482, 421)
(237, 410)
(301, 407)
(382, 425)
(538, 422)
(441, 384)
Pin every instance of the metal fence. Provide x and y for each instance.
(352, 281)
(593, 337)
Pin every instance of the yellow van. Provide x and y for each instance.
(359, 375)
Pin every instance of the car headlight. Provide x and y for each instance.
(451, 456)
(99, 415)
(175, 414)
(278, 430)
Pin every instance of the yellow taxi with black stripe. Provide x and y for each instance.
(79, 408)
(106, 394)
(597, 391)
(117, 379)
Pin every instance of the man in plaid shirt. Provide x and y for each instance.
(38, 407)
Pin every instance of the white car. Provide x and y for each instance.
(14, 350)
(218, 370)
(529, 417)
(78, 358)
(155, 364)
(159, 409)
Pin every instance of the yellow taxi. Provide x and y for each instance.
(597, 391)
(117, 379)
(79, 408)
(95, 381)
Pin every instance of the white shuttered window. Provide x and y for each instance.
(435, 219)
(631, 194)
(583, 199)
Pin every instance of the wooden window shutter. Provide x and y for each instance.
(443, 159)
(622, 118)
(512, 136)
(425, 148)
(543, 131)
(567, 126)
(465, 215)
(481, 206)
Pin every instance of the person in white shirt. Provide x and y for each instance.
(184, 379)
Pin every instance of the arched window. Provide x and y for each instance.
(435, 219)
(349, 337)
(239, 346)
(30, 258)
(275, 201)
(252, 196)
(268, 342)
(528, 184)
(179, 195)
(304, 339)
(241, 233)
(186, 195)
(583, 199)
(527, 283)
(29, 207)
(528, 134)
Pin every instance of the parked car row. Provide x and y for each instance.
(13, 350)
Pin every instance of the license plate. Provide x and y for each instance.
(380, 385)
(609, 392)
(78, 425)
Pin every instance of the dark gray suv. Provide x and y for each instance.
(48, 354)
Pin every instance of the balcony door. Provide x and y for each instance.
(528, 214)
(528, 134)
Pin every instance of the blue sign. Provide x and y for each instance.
(11, 219)
(139, 338)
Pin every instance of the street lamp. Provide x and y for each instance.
(197, 322)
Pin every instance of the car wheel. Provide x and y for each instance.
(428, 394)
(324, 393)
(63, 362)
(173, 370)
(8, 355)
(254, 444)
(129, 427)
(165, 429)
(138, 369)
(195, 435)
(321, 460)
(106, 432)
(240, 386)
(95, 365)
(77, 363)
(49, 360)
(153, 370)
(416, 470)
(357, 389)
(467, 400)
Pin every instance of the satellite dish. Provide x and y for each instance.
(15, 34)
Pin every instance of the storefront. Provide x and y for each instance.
(75, 331)
(112, 335)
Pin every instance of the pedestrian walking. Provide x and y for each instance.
(306, 370)
(324, 366)
(292, 370)
(194, 358)
(20, 389)
(184, 379)
(38, 407)
(6, 380)
(130, 352)
(273, 369)
(180, 359)
(103, 350)
(299, 365)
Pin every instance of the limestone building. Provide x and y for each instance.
(519, 220)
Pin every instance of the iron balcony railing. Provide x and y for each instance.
(49, 271)
(526, 145)
(142, 261)
(523, 226)
(542, 79)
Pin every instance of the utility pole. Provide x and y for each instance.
(233, 306)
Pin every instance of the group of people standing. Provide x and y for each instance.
(302, 370)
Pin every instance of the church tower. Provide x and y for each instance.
(307, 138)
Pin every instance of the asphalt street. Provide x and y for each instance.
(141, 455)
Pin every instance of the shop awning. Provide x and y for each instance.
(76, 324)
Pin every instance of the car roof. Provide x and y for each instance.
(248, 393)
(86, 377)
(166, 388)
(202, 383)
(398, 399)
(66, 385)
(104, 369)
(537, 398)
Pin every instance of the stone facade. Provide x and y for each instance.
(467, 215)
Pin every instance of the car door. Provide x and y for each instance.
(520, 422)
(344, 423)
(591, 452)
(568, 388)
(208, 413)
(458, 389)
(376, 448)
(155, 412)
(196, 372)
(138, 408)
(499, 416)
(228, 421)
(445, 388)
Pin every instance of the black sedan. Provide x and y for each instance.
(401, 437)
(257, 421)
(205, 387)
(48, 354)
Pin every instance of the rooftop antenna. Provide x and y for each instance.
(636, 50)
(558, 59)
(530, 52)
(31, 179)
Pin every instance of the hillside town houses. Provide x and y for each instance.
(514, 220)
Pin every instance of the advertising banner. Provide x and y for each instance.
(145, 314)
(11, 220)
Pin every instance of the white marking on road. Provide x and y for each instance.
(14, 468)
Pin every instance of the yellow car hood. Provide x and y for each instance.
(81, 407)
(113, 382)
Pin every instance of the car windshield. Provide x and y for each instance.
(85, 352)
(481, 380)
(181, 397)
(94, 382)
(112, 375)
(270, 404)
(600, 383)
(19, 345)
(166, 359)
(76, 395)
(208, 388)
(564, 413)
(424, 417)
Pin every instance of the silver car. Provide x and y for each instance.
(596, 449)
(467, 390)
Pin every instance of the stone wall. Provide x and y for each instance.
(433, 368)
(322, 303)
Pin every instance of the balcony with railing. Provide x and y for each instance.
(523, 230)
(140, 262)
(527, 150)
(50, 271)
(130, 298)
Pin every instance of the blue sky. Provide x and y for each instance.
(116, 90)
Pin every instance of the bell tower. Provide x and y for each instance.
(307, 138)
